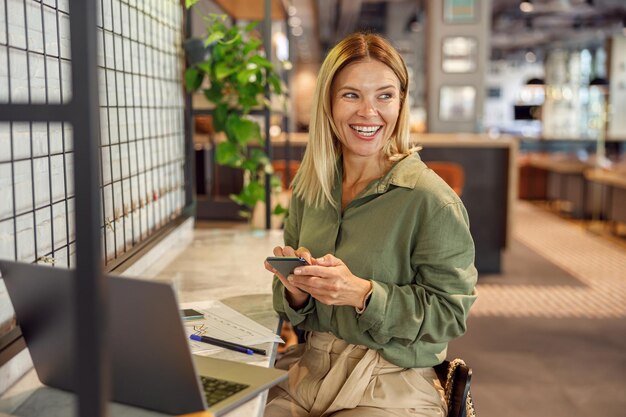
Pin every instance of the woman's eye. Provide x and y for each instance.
(350, 95)
(386, 96)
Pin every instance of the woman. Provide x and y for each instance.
(392, 271)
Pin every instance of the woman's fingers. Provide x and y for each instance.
(284, 251)
(328, 260)
(305, 253)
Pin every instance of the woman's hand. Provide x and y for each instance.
(296, 297)
(330, 281)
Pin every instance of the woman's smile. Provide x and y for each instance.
(365, 107)
(366, 132)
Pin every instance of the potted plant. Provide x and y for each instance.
(231, 61)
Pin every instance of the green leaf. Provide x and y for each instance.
(214, 93)
(232, 40)
(256, 190)
(220, 114)
(250, 26)
(243, 77)
(204, 67)
(252, 45)
(213, 37)
(249, 165)
(190, 3)
(217, 17)
(251, 194)
(259, 157)
(248, 95)
(275, 182)
(260, 61)
(223, 70)
(275, 83)
(218, 52)
(226, 153)
(256, 162)
(278, 210)
(193, 79)
(244, 130)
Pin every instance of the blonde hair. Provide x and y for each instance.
(316, 175)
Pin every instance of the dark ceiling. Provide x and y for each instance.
(549, 23)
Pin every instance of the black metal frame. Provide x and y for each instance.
(82, 112)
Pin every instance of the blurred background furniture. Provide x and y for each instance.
(451, 172)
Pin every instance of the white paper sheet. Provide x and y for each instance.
(224, 323)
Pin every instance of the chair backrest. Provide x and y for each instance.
(455, 377)
(451, 172)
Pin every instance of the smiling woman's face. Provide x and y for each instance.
(365, 107)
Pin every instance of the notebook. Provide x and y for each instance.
(151, 362)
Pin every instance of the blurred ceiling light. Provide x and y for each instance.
(526, 7)
(275, 130)
(295, 21)
(291, 10)
(530, 57)
(287, 65)
(297, 31)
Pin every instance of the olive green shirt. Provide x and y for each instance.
(408, 233)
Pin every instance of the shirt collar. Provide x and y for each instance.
(404, 173)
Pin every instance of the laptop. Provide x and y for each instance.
(151, 362)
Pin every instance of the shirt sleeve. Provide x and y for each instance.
(291, 238)
(434, 308)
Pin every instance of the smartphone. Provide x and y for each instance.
(191, 314)
(286, 264)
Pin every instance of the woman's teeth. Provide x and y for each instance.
(366, 130)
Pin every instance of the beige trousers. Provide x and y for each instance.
(335, 378)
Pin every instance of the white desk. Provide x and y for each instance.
(220, 264)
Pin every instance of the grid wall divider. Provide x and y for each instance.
(142, 142)
(142, 118)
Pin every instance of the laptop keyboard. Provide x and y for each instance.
(217, 390)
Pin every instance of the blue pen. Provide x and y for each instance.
(222, 343)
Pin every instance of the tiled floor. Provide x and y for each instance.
(598, 263)
(547, 336)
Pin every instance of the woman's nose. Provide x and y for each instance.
(367, 108)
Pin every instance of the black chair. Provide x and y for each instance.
(455, 377)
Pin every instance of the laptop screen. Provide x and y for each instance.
(151, 363)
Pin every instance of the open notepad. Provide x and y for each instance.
(222, 322)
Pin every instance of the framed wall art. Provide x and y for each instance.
(460, 11)
(459, 54)
(457, 103)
